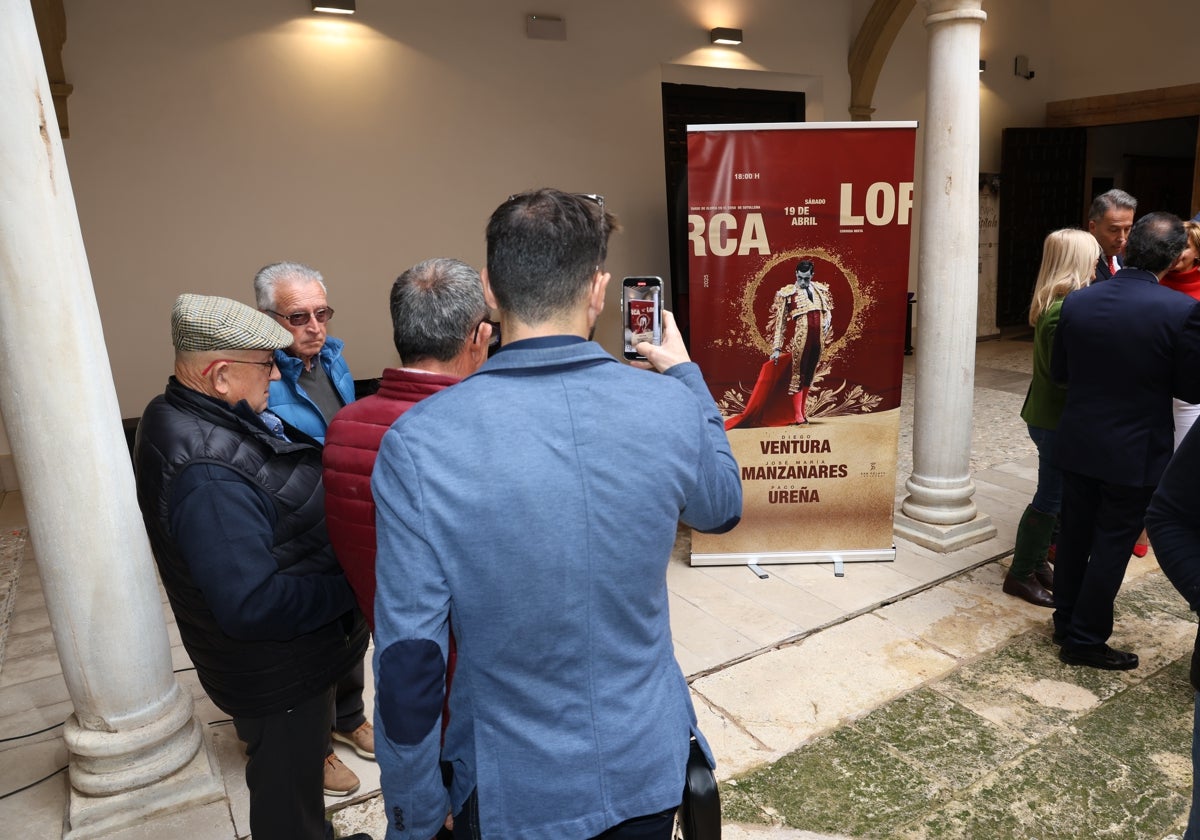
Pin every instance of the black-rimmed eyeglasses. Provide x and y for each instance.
(299, 319)
(269, 366)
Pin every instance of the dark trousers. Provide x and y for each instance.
(285, 769)
(348, 707)
(1193, 825)
(650, 827)
(1100, 524)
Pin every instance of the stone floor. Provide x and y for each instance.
(908, 699)
(1008, 743)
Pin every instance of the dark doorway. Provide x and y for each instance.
(1041, 189)
(685, 105)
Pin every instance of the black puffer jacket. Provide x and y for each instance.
(273, 668)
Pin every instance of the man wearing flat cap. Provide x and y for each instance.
(236, 521)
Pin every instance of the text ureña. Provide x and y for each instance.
(720, 233)
(793, 497)
(884, 204)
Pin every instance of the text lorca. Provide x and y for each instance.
(724, 234)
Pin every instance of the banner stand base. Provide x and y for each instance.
(837, 558)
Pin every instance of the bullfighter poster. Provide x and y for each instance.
(798, 243)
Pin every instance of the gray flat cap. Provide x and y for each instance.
(202, 322)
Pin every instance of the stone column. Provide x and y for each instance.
(938, 512)
(135, 744)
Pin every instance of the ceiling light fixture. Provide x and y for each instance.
(334, 7)
(725, 35)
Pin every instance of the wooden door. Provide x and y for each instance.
(1041, 189)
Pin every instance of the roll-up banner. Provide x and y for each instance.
(798, 242)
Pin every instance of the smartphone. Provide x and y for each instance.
(641, 304)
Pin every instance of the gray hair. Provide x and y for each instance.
(435, 305)
(1111, 200)
(270, 276)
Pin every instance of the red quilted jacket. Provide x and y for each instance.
(351, 444)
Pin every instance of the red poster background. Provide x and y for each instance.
(760, 200)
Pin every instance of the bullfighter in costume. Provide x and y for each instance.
(808, 305)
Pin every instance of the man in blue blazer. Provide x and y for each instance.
(1123, 348)
(534, 506)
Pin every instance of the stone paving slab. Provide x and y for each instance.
(785, 697)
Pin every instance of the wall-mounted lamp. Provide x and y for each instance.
(725, 35)
(334, 7)
(1021, 67)
(545, 28)
(982, 65)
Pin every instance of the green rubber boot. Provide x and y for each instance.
(1034, 534)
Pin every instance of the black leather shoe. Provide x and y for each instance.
(1045, 576)
(1098, 656)
(1058, 637)
(1028, 589)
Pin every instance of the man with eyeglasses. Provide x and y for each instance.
(315, 380)
(535, 505)
(314, 383)
(236, 522)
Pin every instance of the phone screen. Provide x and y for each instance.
(641, 302)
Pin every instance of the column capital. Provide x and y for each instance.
(973, 8)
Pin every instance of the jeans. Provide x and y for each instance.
(1193, 826)
(1048, 496)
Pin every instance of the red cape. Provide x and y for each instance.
(770, 404)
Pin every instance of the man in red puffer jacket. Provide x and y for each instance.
(442, 333)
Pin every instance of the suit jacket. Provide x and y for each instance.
(1123, 349)
(1173, 522)
(1104, 270)
(535, 505)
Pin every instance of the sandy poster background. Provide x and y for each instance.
(761, 199)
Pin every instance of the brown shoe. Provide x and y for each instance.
(1028, 589)
(362, 740)
(339, 779)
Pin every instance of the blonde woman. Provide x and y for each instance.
(1068, 263)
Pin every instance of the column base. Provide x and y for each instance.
(944, 538)
(198, 783)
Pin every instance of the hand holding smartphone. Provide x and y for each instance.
(641, 307)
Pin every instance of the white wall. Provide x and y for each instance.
(209, 137)
(212, 136)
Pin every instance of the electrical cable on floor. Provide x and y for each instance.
(31, 734)
(31, 784)
(60, 723)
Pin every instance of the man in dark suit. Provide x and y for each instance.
(1109, 220)
(1123, 348)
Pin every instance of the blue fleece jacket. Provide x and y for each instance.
(289, 401)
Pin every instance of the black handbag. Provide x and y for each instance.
(700, 811)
